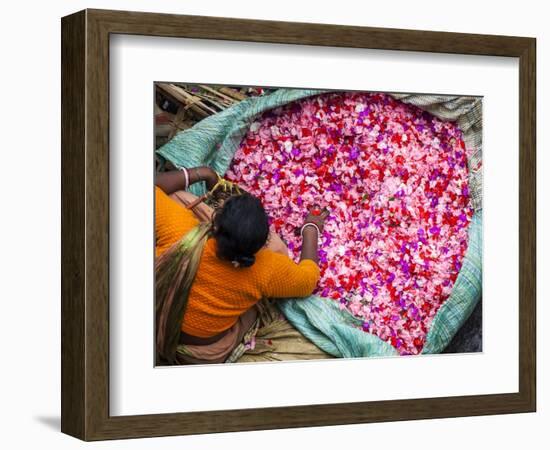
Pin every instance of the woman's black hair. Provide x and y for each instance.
(241, 229)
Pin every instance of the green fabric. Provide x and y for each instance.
(465, 295)
(467, 113)
(333, 330)
(213, 142)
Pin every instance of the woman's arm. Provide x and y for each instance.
(289, 279)
(310, 234)
(174, 180)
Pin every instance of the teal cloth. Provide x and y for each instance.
(214, 141)
(464, 296)
(333, 330)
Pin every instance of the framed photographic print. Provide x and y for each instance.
(272, 225)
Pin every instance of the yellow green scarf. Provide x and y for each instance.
(175, 271)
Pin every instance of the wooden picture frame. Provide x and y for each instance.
(85, 224)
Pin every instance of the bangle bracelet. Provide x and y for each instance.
(309, 224)
(186, 175)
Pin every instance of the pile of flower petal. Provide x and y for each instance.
(395, 179)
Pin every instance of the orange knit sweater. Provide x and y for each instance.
(220, 292)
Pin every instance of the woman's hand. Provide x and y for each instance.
(317, 216)
(203, 173)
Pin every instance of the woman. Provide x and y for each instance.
(237, 268)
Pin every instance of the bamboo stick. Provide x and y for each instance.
(233, 93)
(185, 99)
(213, 101)
(178, 122)
(194, 100)
(218, 93)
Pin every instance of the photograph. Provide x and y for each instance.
(305, 224)
(313, 224)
